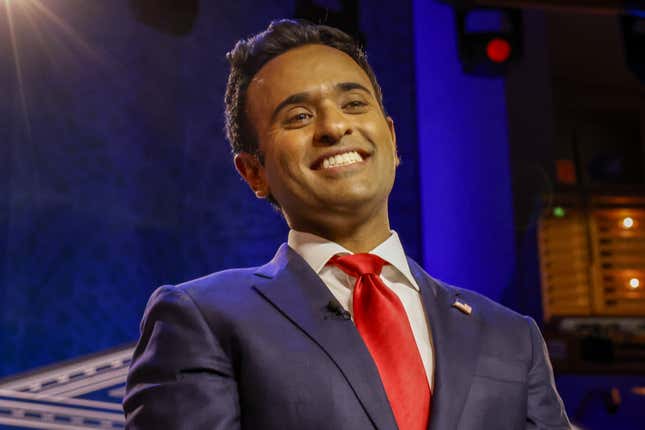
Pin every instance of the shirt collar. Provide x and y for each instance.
(317, 251)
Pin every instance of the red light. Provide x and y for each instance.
(498, 50)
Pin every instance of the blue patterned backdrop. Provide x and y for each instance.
(115, 178)
(114, 173)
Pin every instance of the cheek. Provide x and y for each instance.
(285, 170)
(378, 132)
(288, 166)
(387, 147)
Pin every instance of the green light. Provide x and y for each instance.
(559, 212)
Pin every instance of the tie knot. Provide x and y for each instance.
(357, 265)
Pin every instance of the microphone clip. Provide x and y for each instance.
(336, 311)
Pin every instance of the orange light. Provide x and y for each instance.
(498, 50)
(628, 222)
(634, 283)
(639, 391)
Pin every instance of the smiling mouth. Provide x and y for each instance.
(339, 160)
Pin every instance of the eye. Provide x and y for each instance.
(298, 118)
(355, 105)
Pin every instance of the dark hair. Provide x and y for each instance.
(249, 55)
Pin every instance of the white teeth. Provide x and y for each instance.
(342, 159)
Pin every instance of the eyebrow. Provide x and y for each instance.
(306, 96)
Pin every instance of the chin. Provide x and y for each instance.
(354, 202)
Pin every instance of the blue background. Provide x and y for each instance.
(115, 176)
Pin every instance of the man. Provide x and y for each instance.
(340, 330)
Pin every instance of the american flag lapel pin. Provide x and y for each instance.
(463, 307)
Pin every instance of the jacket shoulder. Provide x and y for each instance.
(219, 287)
(219, 279)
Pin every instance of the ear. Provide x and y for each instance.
(250, 168)
(390, 126)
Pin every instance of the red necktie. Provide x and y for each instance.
(384, 326)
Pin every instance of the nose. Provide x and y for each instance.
(331, 125)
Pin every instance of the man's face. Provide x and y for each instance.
(328, 149)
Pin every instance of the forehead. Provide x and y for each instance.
(308, 68)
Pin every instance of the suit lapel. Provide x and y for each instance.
(456, 341)
(297, 291)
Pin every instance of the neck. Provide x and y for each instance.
(355, 235)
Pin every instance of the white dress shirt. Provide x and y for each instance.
(317, 251)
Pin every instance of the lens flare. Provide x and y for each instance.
(33, 19)
(18, 66)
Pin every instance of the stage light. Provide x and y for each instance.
(628, 222)
(634, 283)
(498, 50)
(489, 40)
(559, 212)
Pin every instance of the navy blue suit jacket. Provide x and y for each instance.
(258, 348)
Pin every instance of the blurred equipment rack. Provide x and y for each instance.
(592, 264)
